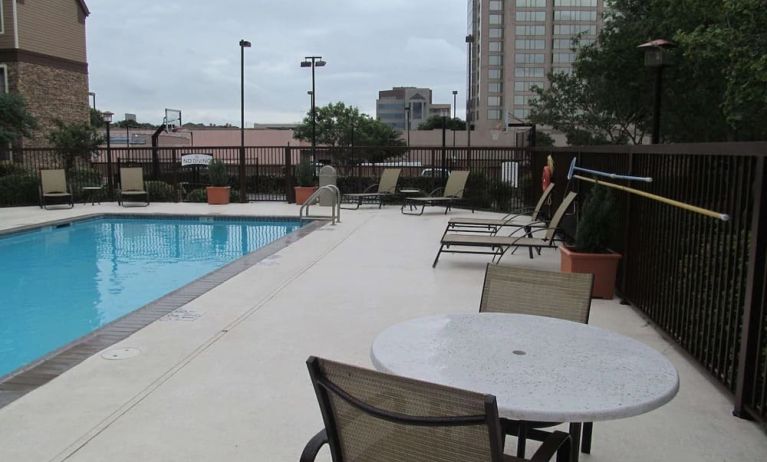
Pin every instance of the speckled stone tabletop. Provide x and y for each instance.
(539, 369)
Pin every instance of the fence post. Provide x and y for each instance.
(753, 304)
(290, 193)
(626, 234)
(433, 165)
(175, 173)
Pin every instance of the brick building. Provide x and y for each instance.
(43, 58)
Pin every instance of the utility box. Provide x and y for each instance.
(328, 176)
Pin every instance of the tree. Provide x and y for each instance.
(435, 122)
(133, 124)
(15, 121)
(97, 119)
(339, 125)
(716, 89)
(74, 140)
(543, 139)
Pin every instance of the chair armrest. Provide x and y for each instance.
(313, 446)
(558, 441)
(436, 191)
(371, 188)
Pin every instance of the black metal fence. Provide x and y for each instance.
(499, 181)
(700, 279)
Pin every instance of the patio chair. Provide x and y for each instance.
(387, 187)
(452, 194)
(509, 289)
(53, 186)
(132, 186)
(516, 217)
(371, 416)
(497, 246)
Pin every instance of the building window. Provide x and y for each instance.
(581, 3)
(528, 44)
(493, 100)
(539, 16)
(3, 78)
(528, 72)
(529, 58)
(531, 3)
(495, 32)
(496, 47)
(527, 86)
(494, 74)
(563, 43)
(562, 70)
(495, 87)
(495, 19)
(530, 30)
(523, 100)
(494, 114)
(573, 29)
(495, 60)
(563, 58)
(496, 5)
(521, 113)
(574, 15)
(416, 110)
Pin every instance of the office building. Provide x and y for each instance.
(392, 107)
(513, 46)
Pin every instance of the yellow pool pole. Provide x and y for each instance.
(665, 200)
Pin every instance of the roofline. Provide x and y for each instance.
(84, 7)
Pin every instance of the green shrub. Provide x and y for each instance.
(197, 195)
(8, 168)
(217, 173)
(305, 173)
(160, 191)
(19, 189)
(597, 221)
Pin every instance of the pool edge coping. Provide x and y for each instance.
(21, 381)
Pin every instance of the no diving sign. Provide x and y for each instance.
(196, 159)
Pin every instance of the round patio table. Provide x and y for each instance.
(540, 369)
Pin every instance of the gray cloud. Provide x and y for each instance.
(145, 56)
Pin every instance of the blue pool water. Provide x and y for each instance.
(58, 284)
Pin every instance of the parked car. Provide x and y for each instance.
(434, 172)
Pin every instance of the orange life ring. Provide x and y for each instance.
(546, 178)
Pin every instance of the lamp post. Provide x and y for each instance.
(657, 56)
(93, 95)
(243, 183)
(407, 124)
(313, 62)
(108, 120)
(455, 96)
(470, 94)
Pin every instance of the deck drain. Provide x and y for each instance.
(121, 353)
(519, 352)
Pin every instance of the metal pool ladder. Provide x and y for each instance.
(335, 207)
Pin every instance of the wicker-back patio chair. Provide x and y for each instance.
(386, 187)
(53, 187)
(370, 416)
(132, 187)
(452, 194)
(509, 289)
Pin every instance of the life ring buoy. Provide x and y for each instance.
(546, 178)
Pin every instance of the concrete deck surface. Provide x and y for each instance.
(231, 385)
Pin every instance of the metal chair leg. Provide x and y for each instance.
(588, 428)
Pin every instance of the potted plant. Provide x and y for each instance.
(218, 192)
(305, 180)
(591, 253)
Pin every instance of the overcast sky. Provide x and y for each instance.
(144, 56)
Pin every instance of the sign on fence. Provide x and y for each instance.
(196, 159)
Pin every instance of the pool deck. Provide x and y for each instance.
(227, 380)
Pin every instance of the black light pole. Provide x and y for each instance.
(455, 96)
(243, 183)
(407, 124)
(470, 95)
(108, 120)
(313, 62)
(657, 57)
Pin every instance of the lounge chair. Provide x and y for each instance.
(493, 225)
(371, 416)
(452, 194)
(509, 289)
(132, 186)
(523, 236)
(387, 187)
(53, 186)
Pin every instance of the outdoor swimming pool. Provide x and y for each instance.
(59, 283)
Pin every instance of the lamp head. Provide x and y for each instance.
(306, 64)
(107, 116)
(244, 44)
(319, 63)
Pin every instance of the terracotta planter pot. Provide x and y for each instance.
(303, 193)
(218, 195)
(603, 266)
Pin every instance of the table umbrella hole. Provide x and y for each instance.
(120, 353)
(519, 352)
